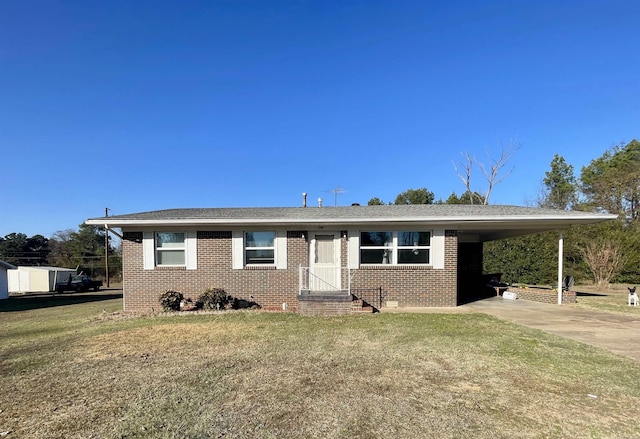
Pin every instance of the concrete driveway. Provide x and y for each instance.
(617, 333)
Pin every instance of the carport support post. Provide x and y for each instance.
(560, 260)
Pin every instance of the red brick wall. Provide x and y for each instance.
(325, 304)
(544, 296)
(415, 285)
(324, 308)
(270, 288)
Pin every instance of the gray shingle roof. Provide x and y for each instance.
(424, 212)
(483, 223)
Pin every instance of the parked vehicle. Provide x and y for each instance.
(79, 283)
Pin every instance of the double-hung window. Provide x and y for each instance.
(413, 247)
(170, 249)
(395, 247)
(260, 248)
(376, 247)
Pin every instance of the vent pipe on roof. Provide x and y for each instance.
(304, 199)
(319, 202)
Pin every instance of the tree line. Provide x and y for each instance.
(600, 253)
(83, 249)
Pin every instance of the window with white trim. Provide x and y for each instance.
(260, 248)
(395, 248)
(170, 249)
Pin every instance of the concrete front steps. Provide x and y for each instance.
(333, 303)
(359, 306)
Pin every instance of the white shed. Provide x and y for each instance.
(4, 279)
(37, 279)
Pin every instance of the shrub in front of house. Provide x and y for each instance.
(214, 298)
(245, 304)
(171, 300)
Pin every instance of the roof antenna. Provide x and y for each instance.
(336, 191)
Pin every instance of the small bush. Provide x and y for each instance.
(214, 298)
(171, 300)
(245, 304)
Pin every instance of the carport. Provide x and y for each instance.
(473, 234)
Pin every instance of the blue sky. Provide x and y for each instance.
(145, 105)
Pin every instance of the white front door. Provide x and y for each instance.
(324, 261)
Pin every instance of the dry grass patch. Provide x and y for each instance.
(269, 375)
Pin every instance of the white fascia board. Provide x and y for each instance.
(450, 222)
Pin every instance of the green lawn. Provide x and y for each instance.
(84, 370)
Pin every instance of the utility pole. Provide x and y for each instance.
(106, 248)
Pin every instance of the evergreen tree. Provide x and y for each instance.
(465, 198)
(415, 196)
(375, 201)
(18, 249)
(529, 259)
(561, 188)
(612, 181)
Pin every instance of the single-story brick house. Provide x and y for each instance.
(312, 259)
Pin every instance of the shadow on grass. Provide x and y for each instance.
(579, 294)
(48, 300)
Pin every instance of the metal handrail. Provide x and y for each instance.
(371, 296)
(309, 281)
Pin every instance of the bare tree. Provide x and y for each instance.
(494, 173)
(605, 259)
(62, 248)
(466, 167)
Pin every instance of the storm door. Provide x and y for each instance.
(324, 262)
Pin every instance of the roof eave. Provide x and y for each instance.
(551, 221)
